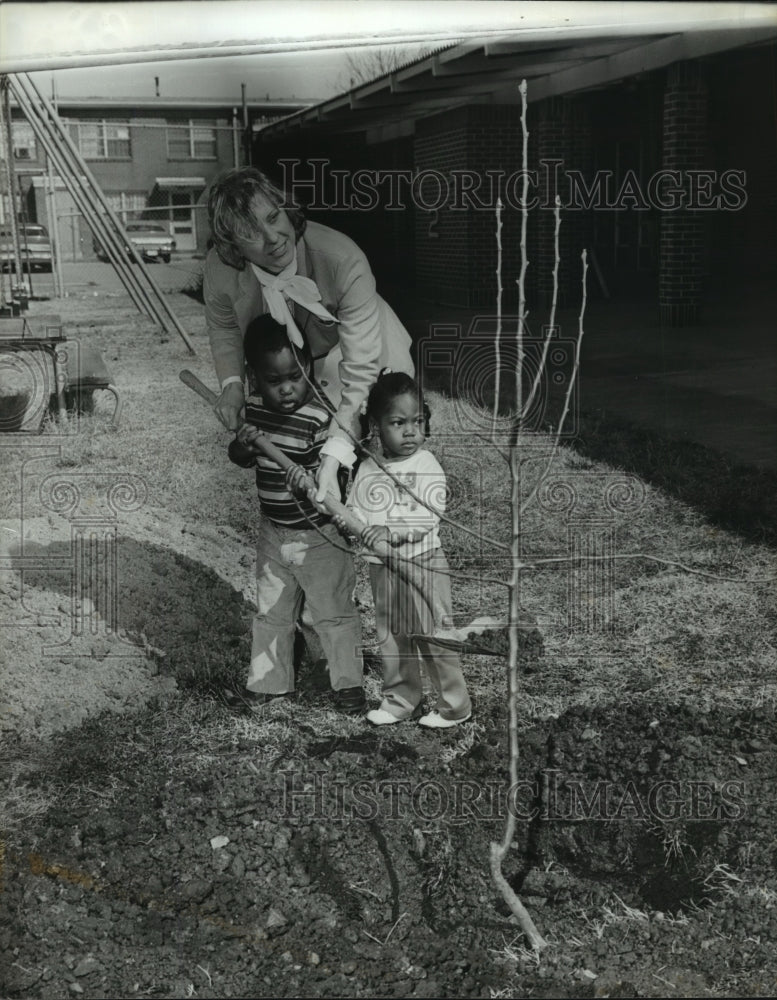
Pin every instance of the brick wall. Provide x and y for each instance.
(458, 264)
(494, 143)
(442, 237)
(456, 248)
(743, 139)
(682, 242)
(562, 141)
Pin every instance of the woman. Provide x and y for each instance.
(314, 280)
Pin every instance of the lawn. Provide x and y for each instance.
(356, 861)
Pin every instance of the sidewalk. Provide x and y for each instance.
(713, 384)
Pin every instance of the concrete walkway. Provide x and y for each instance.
(714, 384)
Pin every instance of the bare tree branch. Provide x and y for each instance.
(537, 563)
(572, 381)
(497, 344)
(498, 850)
(370, 64)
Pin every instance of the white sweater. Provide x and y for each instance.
(376, 499)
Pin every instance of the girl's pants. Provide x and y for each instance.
(402, 610)
(291, 564)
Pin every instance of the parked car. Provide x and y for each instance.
(152, 241)
(34, 245)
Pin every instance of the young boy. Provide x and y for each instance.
(294, 560)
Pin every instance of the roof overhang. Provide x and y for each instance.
(554, 62)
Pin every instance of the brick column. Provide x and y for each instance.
(441, 235)
(576, 223)
(551, 144)
(494, 144)
(681, 266)
(456, 250)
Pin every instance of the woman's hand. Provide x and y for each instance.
(228, 407)
(326, 478)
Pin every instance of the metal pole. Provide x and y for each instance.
(246, 136)
(3, 299)
(56, 245)
(56, 249)
(69, 170)
(79, 197)
(97, 191)
(7, 140)
(25, 220)
(113, 245)
(235, 140)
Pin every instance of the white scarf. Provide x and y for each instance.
(277, 288)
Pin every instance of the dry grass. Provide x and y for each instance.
(694, 636)
(20, 804)
(676, 637)
(691, 635)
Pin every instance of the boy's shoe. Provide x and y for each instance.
(435, 721)
(246, 700)
(350, 700)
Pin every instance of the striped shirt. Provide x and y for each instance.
(299, 435)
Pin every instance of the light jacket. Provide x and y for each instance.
(348, 354)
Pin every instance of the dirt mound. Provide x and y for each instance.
(277, 860)
(63, 662)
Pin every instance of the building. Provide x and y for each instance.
(153, 159)
(658, 139)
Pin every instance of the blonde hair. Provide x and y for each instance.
(230, 214)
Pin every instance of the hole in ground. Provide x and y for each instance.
(659, 811)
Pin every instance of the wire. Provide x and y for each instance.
(317, 528)
(359, 446)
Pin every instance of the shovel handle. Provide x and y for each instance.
(331, 503)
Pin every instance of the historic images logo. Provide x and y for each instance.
(552, 798)
(321, 187)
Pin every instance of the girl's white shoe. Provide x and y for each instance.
(435, 721)
(380, 717)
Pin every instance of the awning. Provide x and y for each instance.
(41, 181)
(180, 182)
(555, 59)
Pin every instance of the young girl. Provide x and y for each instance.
(403, 613)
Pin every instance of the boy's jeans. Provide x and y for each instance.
(292, 563)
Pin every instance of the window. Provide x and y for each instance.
(101, 140)
(194, 141)
(24, 147)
